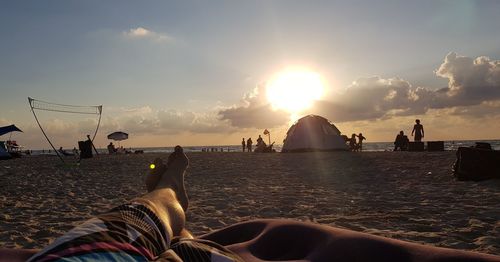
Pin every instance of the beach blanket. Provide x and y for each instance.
(288, 240)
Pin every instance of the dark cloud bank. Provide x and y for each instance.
(471, 82)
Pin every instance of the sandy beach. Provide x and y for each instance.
(404, 195)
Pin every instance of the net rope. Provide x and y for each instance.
(76, 109)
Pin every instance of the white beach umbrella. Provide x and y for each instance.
(118, 136)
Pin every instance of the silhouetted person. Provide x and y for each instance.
(360, 143)
(418, 130)
(249, 144)
(401, 142)
(259, 140)
(111, 148)
(243, 144)
(120, 150)
(352, 142)
(261, 146)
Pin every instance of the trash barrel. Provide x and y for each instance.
(85, 149)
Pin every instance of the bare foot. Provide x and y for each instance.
(170, 175)
(157, 168)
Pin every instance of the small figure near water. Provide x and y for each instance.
(259, 140)
(111, 148)
(360, 143)
(352, 143)
(243, 144)
(249, 144)
(401, 142)
(261, 145)
(418, 130)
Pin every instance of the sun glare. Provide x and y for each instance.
(294, 91)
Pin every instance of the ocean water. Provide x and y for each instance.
(367, 146)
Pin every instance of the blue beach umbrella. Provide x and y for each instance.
(7, 129)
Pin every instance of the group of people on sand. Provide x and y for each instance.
(261, 146)
(356, 145)
(247, 145)
(402, 142)
(120, 150)
(63, 152)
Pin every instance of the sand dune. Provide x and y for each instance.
(405, 195)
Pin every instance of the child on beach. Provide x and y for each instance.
(352, 142)
(360, 143)
(249, 144)
(418, 130)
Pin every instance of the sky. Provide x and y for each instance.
(197, 72)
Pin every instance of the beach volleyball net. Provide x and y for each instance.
(36, 105)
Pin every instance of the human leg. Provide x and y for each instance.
(168, 196)
(139, 230)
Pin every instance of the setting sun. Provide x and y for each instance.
(294, 90)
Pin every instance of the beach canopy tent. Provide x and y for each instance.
(7, 129)
(118, 136)
(313, 133)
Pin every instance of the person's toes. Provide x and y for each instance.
(157, 168)
(178, 159)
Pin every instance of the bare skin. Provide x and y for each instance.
(167, 195)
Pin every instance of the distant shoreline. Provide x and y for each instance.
(450, 145)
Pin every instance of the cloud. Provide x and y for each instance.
(471, 82)
(255, 112)
(145, 120)
(143, 33)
